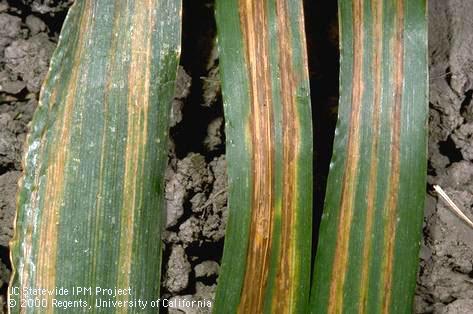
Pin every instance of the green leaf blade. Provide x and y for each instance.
(92, 194)
(269, 153)
(371, 227)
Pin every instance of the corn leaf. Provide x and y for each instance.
(367, 255)
(263, 64)
(90, 206)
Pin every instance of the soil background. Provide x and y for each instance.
(196, 192)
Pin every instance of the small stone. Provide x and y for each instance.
(190, 230)
(211, 87)
(176, 112)
(10, 25)
(219, 169)
(170, 237)
(12, 87)
(8, 189)
(204, 292)
(460, 306)
(194, 167)
(175, 197)
(177, 275)
(197, 201)
(214, 226)
(29, 59)
(214, 135)
(460, 173)
(3, 6)
(35, 24)
(183, 84)
(4, 119)
(206, 269)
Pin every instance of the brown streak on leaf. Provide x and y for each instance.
(253, 20)
(393, 186)
(55, 174)
(118, 19)
(138, 106)
(302, 33)
(286, 277)
(377, 13)
(340, 262)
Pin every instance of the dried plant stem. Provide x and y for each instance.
(454, 207)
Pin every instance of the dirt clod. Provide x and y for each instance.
(214, 136)
(8, 189)
(206, 269)
(29, 59)
(177, 275)
(35, 24)
(48, 6)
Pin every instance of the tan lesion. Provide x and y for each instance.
(340, 262)
(254, 22)
(288, 276)
(143, 19)
(56, 172)
(390, 210)
(254, 26)
(335, 303)
(377, 11)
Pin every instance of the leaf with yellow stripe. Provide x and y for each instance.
(263, 64)
(369, 237)
(90, 206)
